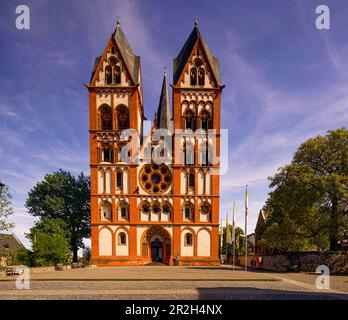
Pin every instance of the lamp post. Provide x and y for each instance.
(2, 188)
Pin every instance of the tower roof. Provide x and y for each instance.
(163, 111)
(131, 60)
(180, 61)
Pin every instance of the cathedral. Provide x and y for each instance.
(155, 189)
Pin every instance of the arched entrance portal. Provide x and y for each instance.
(156, 245)
(157, 250)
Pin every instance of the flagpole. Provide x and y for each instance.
(246, 228)
(226, 238)
(234, 233)
(221, 239)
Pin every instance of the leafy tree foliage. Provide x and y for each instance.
(308, 206)
(62, 196)
(5, 209)
(50, 243)
(240, 242)
(23, 256)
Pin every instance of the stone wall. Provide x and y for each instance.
(302, 262)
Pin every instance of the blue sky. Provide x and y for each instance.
(285, 82)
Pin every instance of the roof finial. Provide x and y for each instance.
(165, 70)
(196, 22)
(118, 21)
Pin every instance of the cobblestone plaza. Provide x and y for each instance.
(162, 282)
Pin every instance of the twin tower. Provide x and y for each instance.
(145, 211)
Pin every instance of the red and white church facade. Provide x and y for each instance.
(145, 211)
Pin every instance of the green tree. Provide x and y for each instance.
(309, 202)
(23, 256)
(62, 196)
(240, 242)
(50, 242)
(5, 208)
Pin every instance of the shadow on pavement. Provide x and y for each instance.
(240, 293)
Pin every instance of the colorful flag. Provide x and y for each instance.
(233, 222)
(228, 233)
(221, 234)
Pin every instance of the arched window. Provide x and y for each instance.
(105, 212)
(145, 209)
(188, 239)
(117, 73)
(166, 209)
(108, 75)
(203, 153)
(189, 120)
(156, 208)
(205, 120)
(107, 154)
(122, 239)
(105, 117)
(191, 181)
(122, 118)
(189, 151)
(188, 212)
(123, 211)
(201, 76)
(205, 208)
(209, 153)
(119, 180)
(104, 182)
(193, 76)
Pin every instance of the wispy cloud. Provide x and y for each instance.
(285, 82)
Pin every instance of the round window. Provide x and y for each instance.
(205, 208)
(155, 178)
(155, 208)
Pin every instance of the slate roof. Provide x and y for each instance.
(180, 61)
(130, 59)
(163, 112)
(9, 243)
(96, 63)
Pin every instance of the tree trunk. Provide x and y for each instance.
(333, 244)
(334, 227)
(75, 249)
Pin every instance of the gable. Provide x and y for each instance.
(180, 62)
(9, 244)
(197, 60)
(119, 58)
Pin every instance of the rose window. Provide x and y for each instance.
(155, 178)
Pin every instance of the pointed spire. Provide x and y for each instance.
(180, 61)
(132, 61)
(163, 111)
